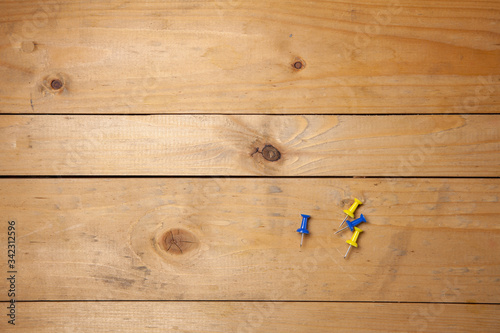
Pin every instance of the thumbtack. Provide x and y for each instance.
(303, 227)
(352, 224)
(352, 241)
(350, 211)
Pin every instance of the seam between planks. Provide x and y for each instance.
(242, 301)
(233, 177)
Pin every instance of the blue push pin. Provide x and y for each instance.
(303, 227)
(352, 224)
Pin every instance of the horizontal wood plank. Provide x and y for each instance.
(447, 146)
(426, 240)
(262, 56)
(245, 317)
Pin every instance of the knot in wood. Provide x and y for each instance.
(270, 153)
(56, 84)
(298, 64)
(178, 241)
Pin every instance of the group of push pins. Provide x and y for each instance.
(350, 224)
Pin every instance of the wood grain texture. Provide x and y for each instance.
(427, 240)
(232, 145)
(236, 56)
(251, 88)
(244, 317)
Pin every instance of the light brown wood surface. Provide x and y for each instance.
(244, 317)
(426, 240)
(138, 104)
(227, 145)
(236, 56)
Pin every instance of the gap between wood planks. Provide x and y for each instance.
(238, 301)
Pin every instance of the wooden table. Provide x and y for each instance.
(155, 158)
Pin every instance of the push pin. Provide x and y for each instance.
(350, 211)
(303, 227)
(352, 224)
(352, 241)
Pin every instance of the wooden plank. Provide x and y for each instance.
(427, 240)
(245, 317)
(236, 145)
(235, 56)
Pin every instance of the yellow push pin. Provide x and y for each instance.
(352, 241)
(350, 211)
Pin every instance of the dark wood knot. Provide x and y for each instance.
(56, 84)
(178, 241)
(270, 153)
(298, 64)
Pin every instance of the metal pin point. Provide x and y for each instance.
(349, 249)
(350, 211)
(303, 227)
(345, 218)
